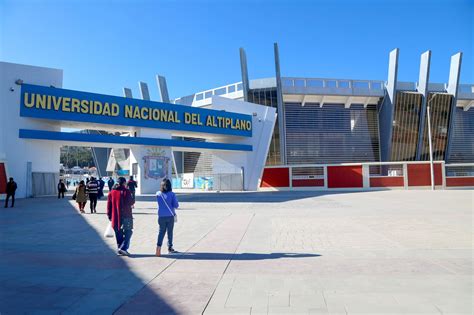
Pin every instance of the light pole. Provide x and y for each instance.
(429, 142)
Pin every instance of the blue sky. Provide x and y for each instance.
(106, 45)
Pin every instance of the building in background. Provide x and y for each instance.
(325, 121)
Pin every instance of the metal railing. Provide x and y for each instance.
(210, 182)
(207, 94)
(333, 83)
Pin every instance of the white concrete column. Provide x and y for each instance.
(365, 176)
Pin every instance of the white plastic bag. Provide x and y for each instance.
(109, 231)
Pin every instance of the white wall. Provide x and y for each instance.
(263, 122)
(44, 155)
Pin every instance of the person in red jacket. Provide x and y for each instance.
(119, 211)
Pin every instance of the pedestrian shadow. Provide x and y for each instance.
(251, 196)
(228, 256)
(54, 261)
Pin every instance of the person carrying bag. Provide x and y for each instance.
(119, 212)
(167, 203)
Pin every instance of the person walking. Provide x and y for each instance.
(80, 195)
(92, 191)
(119, 211)
(132, 185)
(11, 189)
(100, 193)
(167, 205)
(61, 189)
(110, 183)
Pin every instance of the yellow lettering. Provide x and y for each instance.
(75, 103)
(249, 125)
(66, 103)
(106, 111)
(176, 119)
(115, 110)
(41, 101)
(227, 122)
(31, 103)
(164, 115)
(144, 113)
(187, 118)
(209, 121)
(128, 111)
(57, 102)
(84, 106)
(220, 121)
(170, 116)
(156, 114)
(136, 113)
(97, 108)
(49, 102)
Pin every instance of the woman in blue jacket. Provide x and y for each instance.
(167, 205)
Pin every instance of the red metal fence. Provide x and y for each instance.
(368, 175)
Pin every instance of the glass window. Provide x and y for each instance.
(239, 87)
(208, 94)
(287, 82)
(376, 85)
(199, 97)
(314, 83)
(344, 84)
(299, 82)
(231, 89)
(331, 83)
(220, 91)
(360, 84)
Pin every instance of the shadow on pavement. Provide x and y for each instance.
(248, 197)
(230, 256)
(54, 261)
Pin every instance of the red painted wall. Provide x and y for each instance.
(308, 182)
(345, 176)
(389, 181)
(3, 179)
(276, 177)
(459, 181)
(419, 174)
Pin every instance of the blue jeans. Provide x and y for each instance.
(123, 238)
(166, 226)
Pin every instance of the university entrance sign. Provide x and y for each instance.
(36, 109)
(61, 104)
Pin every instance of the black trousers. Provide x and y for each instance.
(8, 197)
(60, 193)
(93, 199)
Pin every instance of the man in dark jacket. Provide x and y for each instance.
(11, 188)
(61, 188)
(119, 211)
(92, 189)
(132, 185)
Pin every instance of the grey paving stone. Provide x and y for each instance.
(386, 252)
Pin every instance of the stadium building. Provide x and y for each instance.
(331, 121)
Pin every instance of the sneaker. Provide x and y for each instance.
(171, 250)
(123, 252)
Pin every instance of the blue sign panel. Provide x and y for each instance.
(61, 104)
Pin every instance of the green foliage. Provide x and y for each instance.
(72, 156)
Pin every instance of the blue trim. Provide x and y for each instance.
(81, 137)
(120, 119)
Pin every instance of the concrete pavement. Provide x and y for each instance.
(386, 252)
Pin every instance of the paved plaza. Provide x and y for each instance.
(384, 252)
